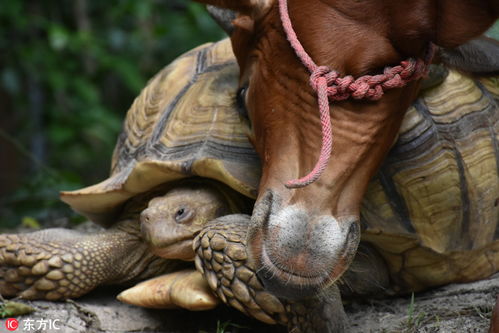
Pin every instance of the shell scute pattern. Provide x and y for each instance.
(437, 190)
(431, 208)
(168, 121)
(458, 96)
(149, 106)
(182, 125)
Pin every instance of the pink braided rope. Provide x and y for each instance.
(329, 86)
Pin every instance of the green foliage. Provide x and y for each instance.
(414, 321)
(494, 31)
(69, 71)
(13, 309)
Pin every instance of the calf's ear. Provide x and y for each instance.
(479, 56)
(224, 17)
(459, 21)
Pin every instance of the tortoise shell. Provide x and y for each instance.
(431, 211)
(181, 125)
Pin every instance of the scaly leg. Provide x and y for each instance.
(222, 258)
(55, 264)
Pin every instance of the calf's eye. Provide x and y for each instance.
(241, 102)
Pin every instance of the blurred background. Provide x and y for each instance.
(69, 70)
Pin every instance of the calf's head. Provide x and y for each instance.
(304, 239)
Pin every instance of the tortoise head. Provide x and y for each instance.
(170, 222)
(304, 239)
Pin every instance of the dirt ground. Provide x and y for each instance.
(453, 308)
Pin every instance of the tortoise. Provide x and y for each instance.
(165, 148)
(183, 157)
(433, 127)
(157, 154)
(433, 151)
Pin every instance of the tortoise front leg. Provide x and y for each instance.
(222, 258)
(57, 264)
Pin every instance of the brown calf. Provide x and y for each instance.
(304, 239)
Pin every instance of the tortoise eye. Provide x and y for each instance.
(241, 102)
(181, 214)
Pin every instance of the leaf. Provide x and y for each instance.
(30, 222)
(58, 37)
(494, 31)
(14, 309)
(89, 66)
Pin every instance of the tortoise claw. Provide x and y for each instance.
(185, 289)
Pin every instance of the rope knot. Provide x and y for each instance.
(318, 73)
(329, 86)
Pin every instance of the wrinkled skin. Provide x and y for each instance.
(56, 264)
(304, 239)
(222, 240)
(171, 221)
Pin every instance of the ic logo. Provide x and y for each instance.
(12, 324)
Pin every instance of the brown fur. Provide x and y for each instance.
(352, 37)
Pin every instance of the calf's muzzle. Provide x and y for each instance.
(299, 253)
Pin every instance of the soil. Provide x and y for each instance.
(453, 308)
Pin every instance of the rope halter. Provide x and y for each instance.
(329, 86)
